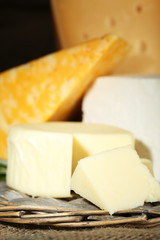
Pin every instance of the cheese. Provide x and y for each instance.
(89, 139)
(148, 164)
(49, 88)
(131, 103)
(115, 180)
(136, 21)
(39, 162)
(40, 156)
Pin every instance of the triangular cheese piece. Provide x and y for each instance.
(50, 87)
(82, 185)
(115, 180)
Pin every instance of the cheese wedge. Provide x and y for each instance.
(115, 180)
(50, 87)
(40, 156)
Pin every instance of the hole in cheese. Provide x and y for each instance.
(139, 9)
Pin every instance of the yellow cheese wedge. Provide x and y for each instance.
(115, 180)
(50, 87)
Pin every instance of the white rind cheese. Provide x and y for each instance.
(132, 103)
(42, 156)
(115, 180)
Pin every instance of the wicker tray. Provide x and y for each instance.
(16, 207)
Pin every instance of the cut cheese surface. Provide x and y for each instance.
(86, 144)
(42, 156)
(130, 102)
(88, 139)
(115, 180)
(50, 87)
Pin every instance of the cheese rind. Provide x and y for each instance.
(130, 102)
(49, 88)
(41, 156)
(39, 162)
(115, 180)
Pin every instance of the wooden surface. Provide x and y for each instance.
(74, 212)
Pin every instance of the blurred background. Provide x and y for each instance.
(26, 31)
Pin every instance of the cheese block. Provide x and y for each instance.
(50, 87)
(132, 103)
(40, 156)
(148, 164)
(39, 162)
(115, 180)
(136, 21)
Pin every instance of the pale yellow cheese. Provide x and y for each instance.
(98, 138)
(41, 156)
(148, 164)
(50, 87)
(39, 162)
(115, 180)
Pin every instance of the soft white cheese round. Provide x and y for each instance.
(132, 103)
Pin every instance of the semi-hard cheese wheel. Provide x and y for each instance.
(115, 180)
(41, 156)
(132, 103)
(50, 87)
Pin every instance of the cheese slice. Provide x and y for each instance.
(130, 102)
(50, 87)
(115, 180)
(41, 156)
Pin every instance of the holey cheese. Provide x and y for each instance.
(49, 88)
(115, 180)
(41, 156)
(137, 21)
(132, 103)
